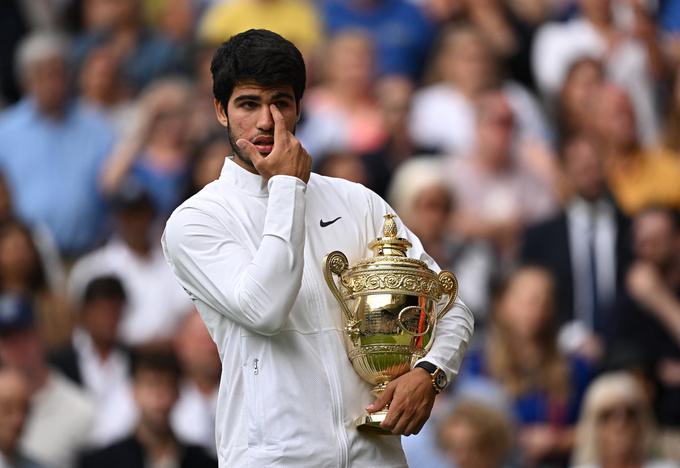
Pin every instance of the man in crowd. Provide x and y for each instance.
(156, 376)
(248, 248)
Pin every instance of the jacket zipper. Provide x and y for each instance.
(331, 373)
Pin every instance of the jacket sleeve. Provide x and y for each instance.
(454, 330)
(255, 291)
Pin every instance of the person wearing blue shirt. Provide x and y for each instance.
(52, 149)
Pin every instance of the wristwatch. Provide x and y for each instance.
(439, 380)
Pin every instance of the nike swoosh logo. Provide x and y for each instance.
(323, 223)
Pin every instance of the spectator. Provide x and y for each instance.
(400, 31)
(476, 436)
(346, 166)
(207, 162)
(193, 418)
(342, 113)
(422, 198)
(575, 100)
(96, 362)
(616, 426)
(23, 272)
(296, 20)
(156, 377)
(156, 152)
(495, 195)
(632, 58)
(649, 320)
(670, 138)
(51, 149)
(14, 407)
(586, 246)
(521, 355)
(156, 303)
(463, 69)
(61, 415)
(636, 175)
(143, 54)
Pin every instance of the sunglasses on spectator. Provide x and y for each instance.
(627, 413)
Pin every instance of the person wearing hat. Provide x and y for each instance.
(61, 415)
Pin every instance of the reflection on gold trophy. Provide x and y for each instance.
(389, 305)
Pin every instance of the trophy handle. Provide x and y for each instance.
(336, 263)
(449, 285)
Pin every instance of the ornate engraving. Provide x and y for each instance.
(412, 283)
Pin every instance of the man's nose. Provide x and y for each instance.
(265, 120)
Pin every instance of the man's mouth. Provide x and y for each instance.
(264, 144)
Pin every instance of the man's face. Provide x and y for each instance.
(155, 393)
(248, 116)
(654, 238)
(101, 318)
(48, 83)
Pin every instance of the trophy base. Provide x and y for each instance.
(371, 423)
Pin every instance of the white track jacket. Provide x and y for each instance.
(250, 254)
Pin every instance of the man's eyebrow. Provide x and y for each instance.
(247, 97)
(283, 95)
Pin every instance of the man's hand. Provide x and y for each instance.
(287, 157)
(410, 397)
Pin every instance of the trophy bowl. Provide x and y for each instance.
(389, 306)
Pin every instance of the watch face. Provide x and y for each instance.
(440, 380)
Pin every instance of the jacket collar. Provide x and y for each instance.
(234, 176)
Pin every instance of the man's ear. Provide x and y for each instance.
(221, 113)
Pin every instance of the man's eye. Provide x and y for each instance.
(282, 104)
(248, 105)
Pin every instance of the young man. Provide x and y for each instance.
(249, 247)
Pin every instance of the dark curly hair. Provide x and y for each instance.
(257, 56)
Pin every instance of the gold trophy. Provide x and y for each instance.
(389, 305)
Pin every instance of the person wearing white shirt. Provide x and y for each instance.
(248, 248)
(156, 304)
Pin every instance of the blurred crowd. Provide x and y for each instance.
(532, 145)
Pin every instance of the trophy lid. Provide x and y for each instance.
(389, 244)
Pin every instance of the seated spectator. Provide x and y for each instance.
(616, 427)
(394, 94)
(586, 246)
(342, 113)
(51, 150)
(400, 31)
(61, 415)
(575, 101)
(495, 195)
(631, 58)
(521, 356)
(156, 151)
(463, 68)
(637, 176)
(193, 418)
(422, 198)
(476, 436)
(296, 20)
(144, 55)
(14, 407)
(649, 319)
(97, 363)
(156, 377)
(207, 161)
(156, 303)
(23, 272)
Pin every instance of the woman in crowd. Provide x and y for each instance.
(616, 428)
(521, 356)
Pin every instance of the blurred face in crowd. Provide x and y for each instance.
(495, 129)
(350, 61)
(614, 118)
(47, 81)
(109, 14)
(101, 317)
(248, 116)
(466, 61)
(394, 97)
(584, 169)
(430, 213)
(155, 393)
(525, 307)
(23, 351)
(209, 164)
(170, 108)
(596, 10)
(582, 81)
(18, 257)
(196, 350)
(344, 166)
(14, 406)
(99, 77)
(134, 224)
(655, 238)
(463, 446)
(619, 430)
